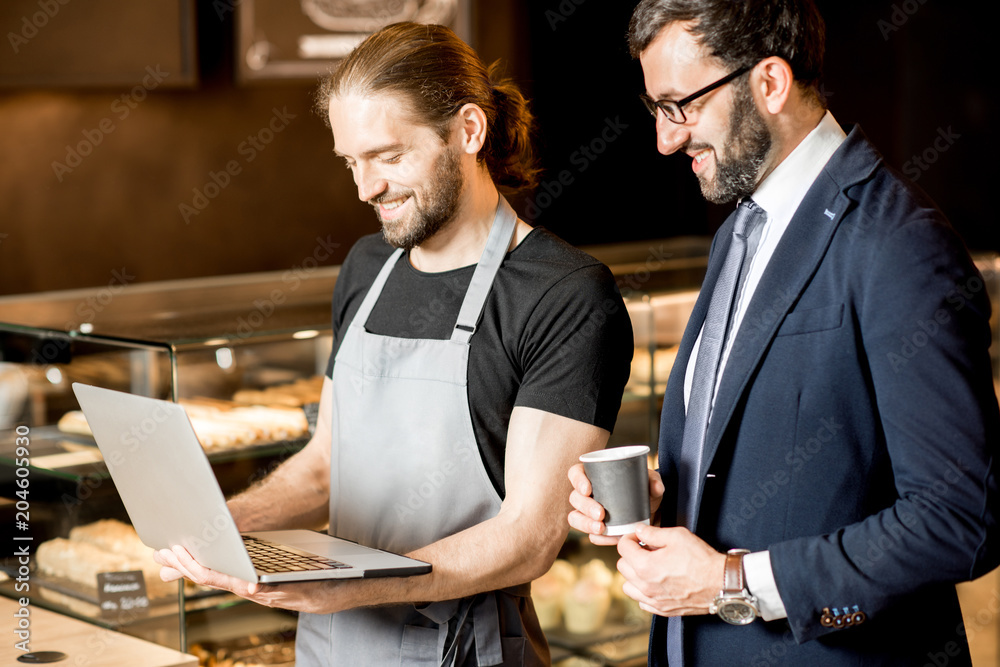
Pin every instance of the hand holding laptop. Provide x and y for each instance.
(156, 460)
(313, 597)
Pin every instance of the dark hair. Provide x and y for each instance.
(437, 73)
(741, 34)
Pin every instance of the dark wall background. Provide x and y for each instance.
(904, 70)
(120, 210)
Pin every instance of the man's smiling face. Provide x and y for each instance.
(412, 178)
(724, 134)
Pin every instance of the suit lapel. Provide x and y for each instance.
(794, 262)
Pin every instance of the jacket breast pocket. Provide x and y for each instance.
(812, 320)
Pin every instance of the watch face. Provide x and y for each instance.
(737, 612)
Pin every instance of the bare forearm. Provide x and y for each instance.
(503, 551)
(295, 495)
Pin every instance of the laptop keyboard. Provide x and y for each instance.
(270, 558)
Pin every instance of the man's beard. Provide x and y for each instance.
(433, 211)
(744, 153)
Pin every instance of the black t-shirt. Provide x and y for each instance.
(554, 334)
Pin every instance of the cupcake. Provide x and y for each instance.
(548, 591)
(585, 606)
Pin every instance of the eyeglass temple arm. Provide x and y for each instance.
(712, 86)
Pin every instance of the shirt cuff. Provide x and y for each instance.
(761, 584)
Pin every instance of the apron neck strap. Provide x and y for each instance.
(365, 309)
(502, 231)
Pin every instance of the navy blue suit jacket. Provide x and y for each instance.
(854, 433)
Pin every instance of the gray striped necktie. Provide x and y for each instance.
(713, 340)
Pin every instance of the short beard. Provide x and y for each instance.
(437, 209)
(746, 150)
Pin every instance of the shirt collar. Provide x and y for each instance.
(784, 188)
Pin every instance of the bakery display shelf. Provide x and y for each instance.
(70, 599)
(59, 454)
(642, 394)
(262, 450)
(250, 635)
(73, 599)
(234, 654)
(626, 651)
(619, 626)
(559, 654)
(74, 457)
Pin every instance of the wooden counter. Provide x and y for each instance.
(83, 643)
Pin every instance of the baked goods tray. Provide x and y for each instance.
(272, 649)
(625, 651)
(75, 455)
(615, 630)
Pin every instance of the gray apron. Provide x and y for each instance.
(405, 472)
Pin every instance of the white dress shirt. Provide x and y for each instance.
(779, 195)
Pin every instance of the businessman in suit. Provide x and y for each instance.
(827, 453)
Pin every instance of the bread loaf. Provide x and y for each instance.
(223, 425)
(104, 546)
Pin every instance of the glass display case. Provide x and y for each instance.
(220, 344)
(222, 347)
(659, 281)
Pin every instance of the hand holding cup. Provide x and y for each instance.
(613, 485)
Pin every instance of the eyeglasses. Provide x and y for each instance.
(672, 110)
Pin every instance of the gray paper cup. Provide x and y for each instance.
(621, 484)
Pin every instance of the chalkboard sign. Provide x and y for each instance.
(122, 591)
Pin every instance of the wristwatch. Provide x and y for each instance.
(734, 604)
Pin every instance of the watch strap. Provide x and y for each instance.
(732, 578)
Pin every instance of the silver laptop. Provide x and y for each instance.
(172, 496)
